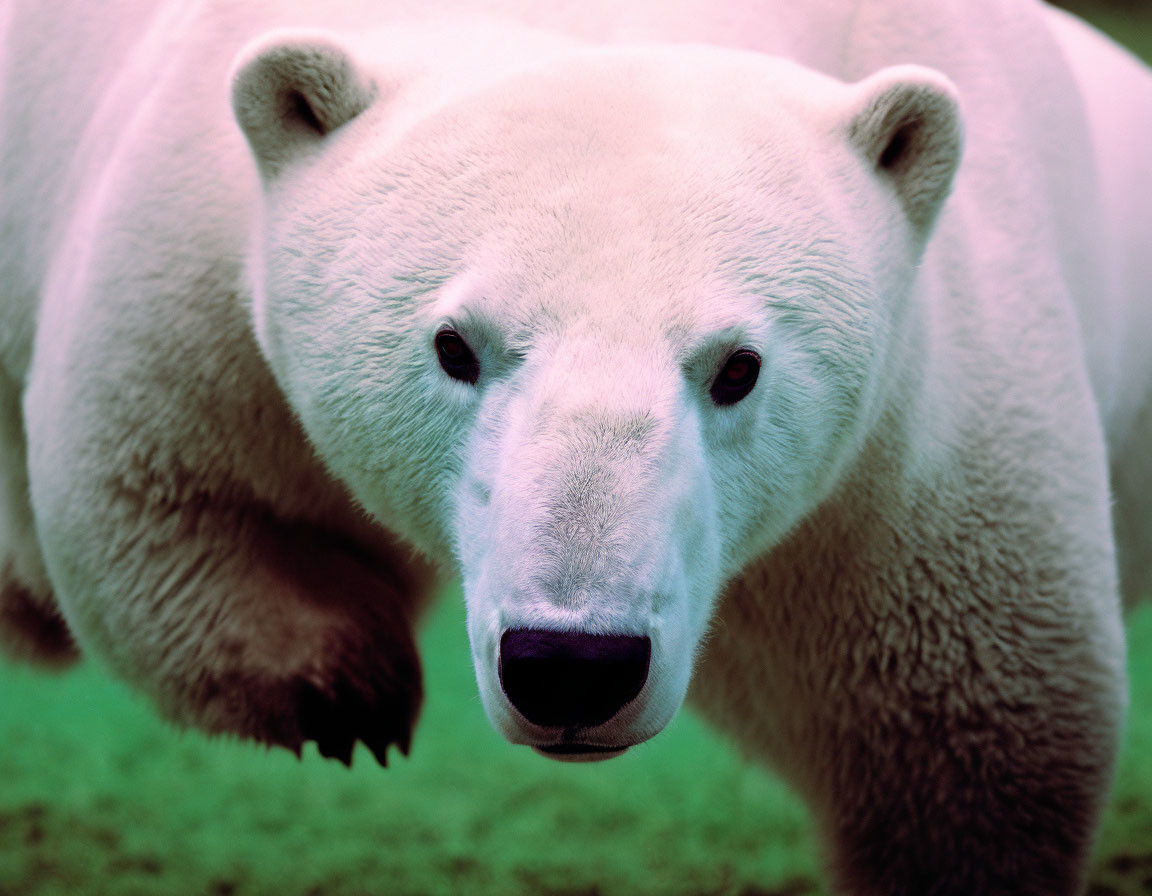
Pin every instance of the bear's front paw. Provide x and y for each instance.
(311, 640)
(378, 709)
(368, 689)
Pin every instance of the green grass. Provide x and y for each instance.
(98, 796)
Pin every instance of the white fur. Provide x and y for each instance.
(889, 570)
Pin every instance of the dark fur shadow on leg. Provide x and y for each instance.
(31, 630)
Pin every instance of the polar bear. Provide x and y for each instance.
(786, 357)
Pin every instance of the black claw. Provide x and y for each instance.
(378, 737)
(337, 747)
(379, 748)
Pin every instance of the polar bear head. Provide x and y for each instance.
(599, 325)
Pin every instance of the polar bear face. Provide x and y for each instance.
(602, 328)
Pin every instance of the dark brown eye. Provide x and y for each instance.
(736, 377)
(456, 358)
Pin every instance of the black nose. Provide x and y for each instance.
(571, 679)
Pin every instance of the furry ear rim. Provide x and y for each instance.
(907, 125)
(290, 89)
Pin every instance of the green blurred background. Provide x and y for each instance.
(97, 796)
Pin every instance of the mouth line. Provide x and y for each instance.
(578, 748)
(577, 752)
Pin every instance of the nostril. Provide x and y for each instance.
(571, 679)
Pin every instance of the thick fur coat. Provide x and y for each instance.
(236, 456)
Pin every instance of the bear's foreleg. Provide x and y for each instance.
(945, 803)
(236, 621)
(947, 740)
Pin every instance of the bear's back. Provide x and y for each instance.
(53, 79)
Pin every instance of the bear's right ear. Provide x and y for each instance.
(290, 89)
(905, 122)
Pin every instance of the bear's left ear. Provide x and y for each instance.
(905, 122)
(290, 89)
